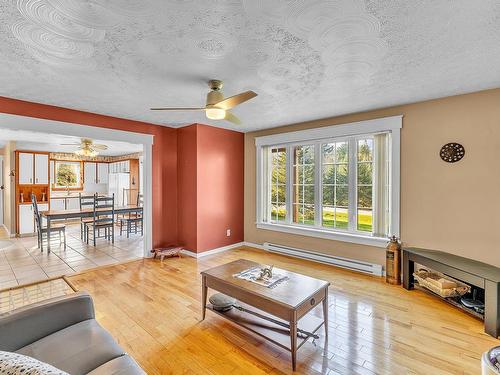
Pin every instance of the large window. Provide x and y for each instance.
(339, 186)
(67, 174)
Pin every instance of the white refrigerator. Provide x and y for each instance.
(117, 185)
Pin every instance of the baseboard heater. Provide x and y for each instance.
(350, 264)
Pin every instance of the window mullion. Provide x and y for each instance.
(352, 184)
(289, 185)
(317, 184)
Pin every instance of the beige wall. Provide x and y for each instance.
(449, 207)
(9, 163)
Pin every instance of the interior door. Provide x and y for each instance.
(41, 169)
(25, 168)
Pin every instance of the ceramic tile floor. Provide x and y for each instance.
(21, 261)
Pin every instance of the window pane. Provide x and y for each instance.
(308, 154)
(303, 185)
(365, 197)
(278, 193)
(304, 174)
(309, 214)
(365, 173)
(365, 150)
(342, 196)
(309, 194)
(328, 195)
(281, 211)
(328, 217)
(304, 194)
(278, 184)
(365, 220)
(341, 218)
(328, 150)
(303, 213)
(274, 213)
(304, 155)
(341, 152)
(328, 174)
(341, 177)
(309, 174)
(68, 174)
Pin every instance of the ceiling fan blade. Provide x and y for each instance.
(177, 109)
(69, 144)
(235, 100)
(100, 147)
(232, 118)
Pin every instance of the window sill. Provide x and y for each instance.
(328, 235)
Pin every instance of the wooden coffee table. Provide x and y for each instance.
(289, 301)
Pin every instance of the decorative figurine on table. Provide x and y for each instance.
(266, 273)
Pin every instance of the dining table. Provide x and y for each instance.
(77, 213)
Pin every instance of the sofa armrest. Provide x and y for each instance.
(30, 323)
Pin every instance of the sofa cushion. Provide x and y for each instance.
(123, 365)
(77, 349)
(18, 364)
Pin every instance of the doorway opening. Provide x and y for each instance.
(53, 162)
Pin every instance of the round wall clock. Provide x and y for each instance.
(452, 152)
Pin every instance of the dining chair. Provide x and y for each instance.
(41, 230)
(133, 219)
(103, 218)
(86, 201)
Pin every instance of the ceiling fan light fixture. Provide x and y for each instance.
(215, 113)
(86, 152)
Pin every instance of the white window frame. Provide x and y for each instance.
(318, 136)
(79, 174)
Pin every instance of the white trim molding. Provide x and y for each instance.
(342, 130)
(326, 234)
(44, 127)
(349, 131)
(213, 251)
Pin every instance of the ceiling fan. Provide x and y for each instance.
(87, 147)
(217, 108)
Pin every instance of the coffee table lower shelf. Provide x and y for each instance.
(268, 330)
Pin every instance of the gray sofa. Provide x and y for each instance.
(63, 332)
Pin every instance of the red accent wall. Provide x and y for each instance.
(220, 187)
(210, 177)
(187, 187)
(164, 156)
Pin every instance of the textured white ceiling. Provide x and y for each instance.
(307, 59)
(34, 141)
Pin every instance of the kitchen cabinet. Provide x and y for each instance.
(33, 168)
(26, 219)
(25, 169)
(102, 173)
(58, 204)
(89, 173)
(120, 167)
(41, 169)
(72, 203)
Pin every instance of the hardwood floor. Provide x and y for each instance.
(153, 310)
